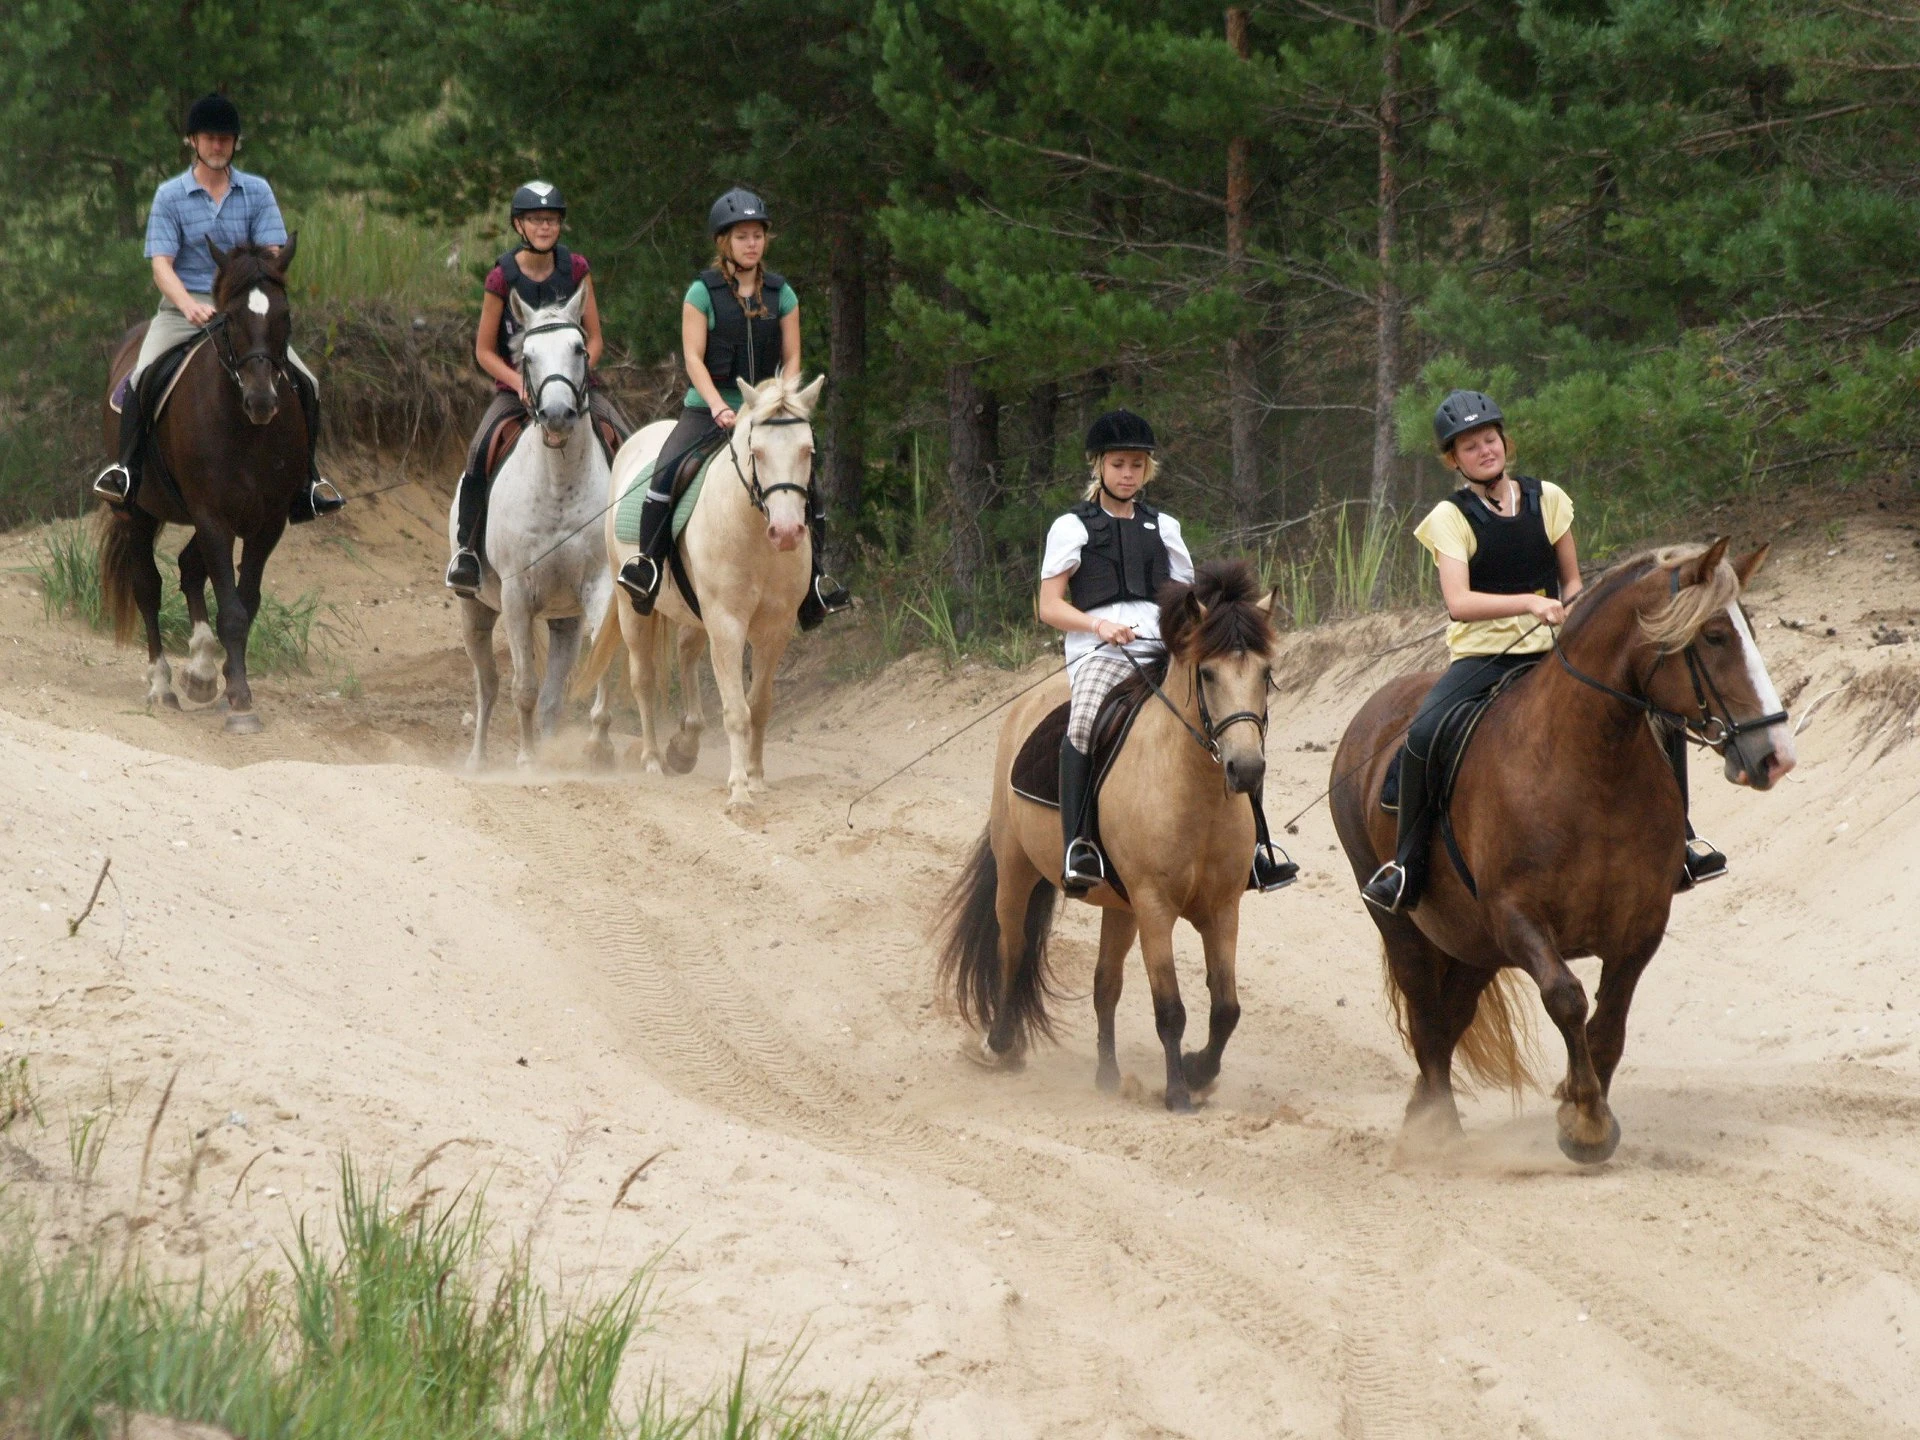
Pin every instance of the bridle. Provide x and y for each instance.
(217, 330)
(750, 477)
(1207, 734)
(577, 390)
(1714, 731)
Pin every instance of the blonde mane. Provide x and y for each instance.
(782, 395)
(1675, 624)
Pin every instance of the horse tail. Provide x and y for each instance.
(119, 551)
(1500, 1048)
(606, 644)
(970, 952)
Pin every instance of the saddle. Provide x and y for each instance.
(1451, 740)
(507, 432)
(1036, 768)
(157, 381)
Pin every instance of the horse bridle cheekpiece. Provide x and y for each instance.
(750, 477)
(577, 391)
(217, 331)
(1714, 731)
(1207, 737)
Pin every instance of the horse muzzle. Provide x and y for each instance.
(260, 407)
(1765, 770)
(784, 535)
(1245, 772)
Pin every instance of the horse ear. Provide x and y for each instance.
(810, 397)
(1699, 570)
(285, 257)
(1265, 604)
(1748, 566)
(577, 305)
(749, 395)
(519, 308)
(1196, 610)
(219, 255)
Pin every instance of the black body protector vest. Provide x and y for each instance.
(556, 289)
(739, 348)
(1122, 559)
(1511, 555)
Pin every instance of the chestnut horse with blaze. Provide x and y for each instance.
(1568, 816)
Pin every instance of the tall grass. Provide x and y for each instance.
(398, 1325)
(350, 253)
(284, 640)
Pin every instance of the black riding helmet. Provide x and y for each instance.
(537, 195)
(213, 114)
(731, 208)
(1119, 430)
(1464, 410)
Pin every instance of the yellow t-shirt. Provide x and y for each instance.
(1445, 531)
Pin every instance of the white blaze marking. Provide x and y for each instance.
(1762, 683)
(257, 300)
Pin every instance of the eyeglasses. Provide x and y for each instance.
(541, 220)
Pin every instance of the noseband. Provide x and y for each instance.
(1714, 731)
(576, 390)
(750, 477)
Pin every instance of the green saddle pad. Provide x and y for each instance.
(626, 516)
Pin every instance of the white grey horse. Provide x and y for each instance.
(544, 558)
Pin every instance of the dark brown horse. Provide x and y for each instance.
(232, 443)
(1569, 819)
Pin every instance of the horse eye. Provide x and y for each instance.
(1714, 637)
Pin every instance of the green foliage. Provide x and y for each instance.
(399, 1323)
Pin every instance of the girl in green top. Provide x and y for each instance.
(738, 321)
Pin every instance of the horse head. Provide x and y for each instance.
(250, 292)
(1220, 629)
(551, 349)
(776, 437)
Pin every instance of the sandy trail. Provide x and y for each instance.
(341, 943)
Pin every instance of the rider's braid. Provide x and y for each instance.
(755, 304)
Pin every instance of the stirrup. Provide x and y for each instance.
(1083, 867)
(1701, 863)
(324, 497)
(463, 573)
(1272, 870)
(640, 578)
(1388, 887)
(114, 484)
(832, 595)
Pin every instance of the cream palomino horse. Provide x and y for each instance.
(748, 557)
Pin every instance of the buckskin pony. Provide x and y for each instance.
(1177, 829)
(226, 456)
(1569, 820)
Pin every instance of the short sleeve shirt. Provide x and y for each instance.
(496, 284)
(1067, 537)
(701, 299)
(1446, 532)
(185, 217)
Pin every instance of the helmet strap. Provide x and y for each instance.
(1117, 499)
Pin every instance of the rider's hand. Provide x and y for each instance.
(724, 417)
(197, 312)
(1113, 633)
(1546, 608)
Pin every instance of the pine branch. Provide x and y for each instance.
(1219, 202)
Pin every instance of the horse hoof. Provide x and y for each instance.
(680, 758)
(243, 722)
(1591, 1154)
(170, 700)
(985, 1057)
(600, 755)
(1107, 1078)
(200, 688)
(1199, 1077)
(1181, 1104)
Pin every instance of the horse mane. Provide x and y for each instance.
(779, 396)
(245, 266)
(1673, 625)
(1218, 614)
(516, 342)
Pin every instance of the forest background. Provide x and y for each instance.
(1678, 239)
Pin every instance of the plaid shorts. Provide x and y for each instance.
(1094, 676)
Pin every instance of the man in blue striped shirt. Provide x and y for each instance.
(212, 202)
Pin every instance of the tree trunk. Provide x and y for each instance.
(973, 458)
(1243, 386)
(843, 471)
(1388, 302)
(1041, 427)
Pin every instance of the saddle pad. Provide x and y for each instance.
(626, 517)
(162, 375)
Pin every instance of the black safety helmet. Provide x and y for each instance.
(213, 114)
(537, 195)
(1464, 410)
(731, 208)
(1119, 430)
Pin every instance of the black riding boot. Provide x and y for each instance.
(1396, 885)
(1083, 866)
(1701, 861)
(470, 504)
(118, 483)
(640, 577)
(824, 594)
(319, 498)
(1272, 870)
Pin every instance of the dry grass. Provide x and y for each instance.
(1887, 704)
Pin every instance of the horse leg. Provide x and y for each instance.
(516, 608)
(1588, 1131)
(727, 642)
(201, 678)
(638, 631)
(563, 648)
(595, 596)
(235, 620)
(1117, 929)
(1169, 1014)
(1607, 1030)
(766, 661)
(1441, 997)
(1220, 937)
(144, 580)
(684, 749)
(476, 629)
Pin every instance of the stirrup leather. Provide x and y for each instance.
(1376, 892)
